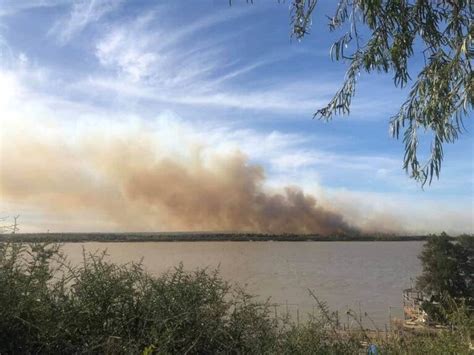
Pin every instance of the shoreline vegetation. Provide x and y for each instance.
(201, 237)
(48, 305)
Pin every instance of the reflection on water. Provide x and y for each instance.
(361, 275)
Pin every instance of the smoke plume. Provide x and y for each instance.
(129, 181)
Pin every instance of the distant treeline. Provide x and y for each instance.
(198, 237)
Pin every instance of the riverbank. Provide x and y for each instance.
(198, 237)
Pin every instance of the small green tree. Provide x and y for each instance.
(447, 273)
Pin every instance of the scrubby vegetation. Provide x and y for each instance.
(50, 306)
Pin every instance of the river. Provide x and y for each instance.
(363, 276)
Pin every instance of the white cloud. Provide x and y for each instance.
(279, 99)
(83, 13)
(145, 49)
(12, 7)
(147, 61)
(302, 158)
(127, 54)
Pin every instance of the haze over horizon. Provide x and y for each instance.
(131, 116)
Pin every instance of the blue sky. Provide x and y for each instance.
(226, 78)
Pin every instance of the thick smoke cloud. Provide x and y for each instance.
(229, 196)
(130, 181)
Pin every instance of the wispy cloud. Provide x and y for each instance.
(299, 158)
(279, 99)
(154, 55)
(12, 7)
(83, 13)
(150, 62)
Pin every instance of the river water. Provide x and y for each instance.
(363, 276)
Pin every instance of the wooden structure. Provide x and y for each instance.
(412, 301)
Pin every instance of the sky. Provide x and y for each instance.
(212, 103)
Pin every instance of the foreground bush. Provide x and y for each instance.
(50, 306)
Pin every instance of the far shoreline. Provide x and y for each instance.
(200, 237)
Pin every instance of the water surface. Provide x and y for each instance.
(369, 276)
